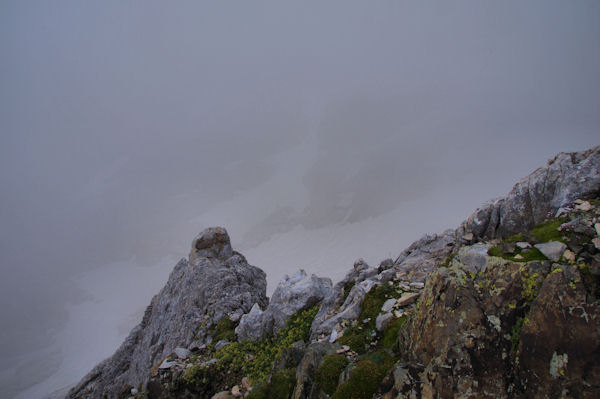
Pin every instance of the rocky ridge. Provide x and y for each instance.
(214, 283)
(505, 306)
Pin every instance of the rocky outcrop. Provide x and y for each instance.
(411, 267)
(213, 284)
(566, 177)
(291, 295)
(490, 326)
(458, 314)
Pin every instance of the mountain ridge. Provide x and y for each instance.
(433, 261)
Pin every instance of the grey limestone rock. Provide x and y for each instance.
(292, 294)
(566, 177)
(211, 243)
(552, 250)
(199, 292)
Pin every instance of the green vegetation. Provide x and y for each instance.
(390, 334)
(548, 230)
(381, 358)
(527, 255)
(365, 377)
(254, 359)
(359, 336)
(531, 286)
(448, 261)
(281, 386)
(225, 330)
(543, 232)
(515, 335)
(516, 238)
(328, 373)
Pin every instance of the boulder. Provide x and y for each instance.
(382, 320)
(182, 353)
(388, 305)
(253, 325)
(552, 250)
(211, 243)
(566, 177)
(408, 298)
(292, 294)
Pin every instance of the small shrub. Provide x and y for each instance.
(364, 380)
(381, 358)
(328, 373)
(281, 386)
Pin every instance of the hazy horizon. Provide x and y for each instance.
(315, 133)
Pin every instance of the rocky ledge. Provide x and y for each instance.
(505, 306)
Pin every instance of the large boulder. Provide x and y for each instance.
(211, 243)
(566, 177)
(292, 294)
(197, 295)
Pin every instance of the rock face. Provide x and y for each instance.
(566, 177)
(213, 284)
(292, 294)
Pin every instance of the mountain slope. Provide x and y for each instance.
(506, 305)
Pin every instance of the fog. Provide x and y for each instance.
(316, 133)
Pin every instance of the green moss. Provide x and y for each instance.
(281, 386)
(364, 380)
(328, 373)
(548, 230)
(390, 334)
(225, 330)
(528, 255)
(381, 358)
(260, 391)
(516, 238)
(357, 338)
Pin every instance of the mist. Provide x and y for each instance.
(315, 133)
